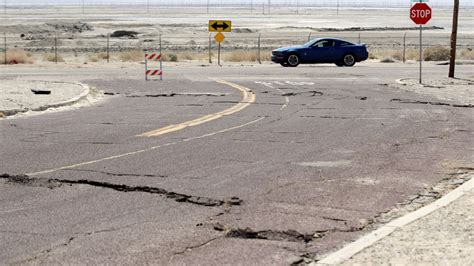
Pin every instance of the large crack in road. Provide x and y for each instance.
(51, 183)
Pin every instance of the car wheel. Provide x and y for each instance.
(293, 60)
(339, 64)
(349, 60)
(284, 64)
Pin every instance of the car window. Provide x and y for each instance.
(345, 43)
(323, 43)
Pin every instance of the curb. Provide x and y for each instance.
(401, 81)
(72, 101)
(370, 239)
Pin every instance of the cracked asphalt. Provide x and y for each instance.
(321, 153)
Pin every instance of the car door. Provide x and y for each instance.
(340, 49)
(322, 51)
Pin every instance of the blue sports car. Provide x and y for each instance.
(324, 50)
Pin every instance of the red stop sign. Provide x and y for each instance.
(420, 13)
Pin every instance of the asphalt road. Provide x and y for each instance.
(298, 171)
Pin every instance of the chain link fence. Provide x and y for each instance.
(127, 46)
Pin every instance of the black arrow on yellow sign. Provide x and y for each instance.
(219, 25)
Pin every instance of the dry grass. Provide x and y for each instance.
(52, 58)
(132, 56)
(396, 55)
(19, 56)
(97, 57)
(247, 56)
(467, 54)
(436, 53)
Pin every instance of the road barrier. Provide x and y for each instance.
(151, 71)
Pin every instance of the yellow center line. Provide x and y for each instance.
(248, 97)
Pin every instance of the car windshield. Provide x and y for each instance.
(310, 43)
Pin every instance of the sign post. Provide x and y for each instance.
(219, 26)
(420, 13)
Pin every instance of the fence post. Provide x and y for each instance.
(210, 58)
(404, 46)
(56, 48)
(5, 42)
(161, 60)
(108, 47)
(146, 63)
(259, 59)
(359, 37)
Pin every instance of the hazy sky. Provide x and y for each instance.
(400, 3)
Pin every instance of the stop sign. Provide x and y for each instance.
(420, 13)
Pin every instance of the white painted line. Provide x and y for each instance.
(249, 95)
(368, 240)
(225, 130)
(269, 85)
(287, 100)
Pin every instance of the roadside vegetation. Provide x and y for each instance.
(20, 56)
(17, 56)
(435, 53)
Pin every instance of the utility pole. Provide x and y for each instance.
(337, 8)
(269, 6)
(83, 7)
(148, 6)
(454, 33)
(208, 6)
(297, 7)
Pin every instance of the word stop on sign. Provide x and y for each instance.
(420, 13)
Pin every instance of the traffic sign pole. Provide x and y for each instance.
(219, 54)
(421, 51)
(420, 13)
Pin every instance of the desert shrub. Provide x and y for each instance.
(102, 55)
(388, 59)
(381, 54)
(97, 57)
(188, 56)
(467, 54)
(132, 56)
(93, 58)
(170, 57)
(52, 58)
(18, 56)
(123, 33)
(436, 53)
(247, 56)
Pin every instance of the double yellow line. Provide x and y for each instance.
(248, 97)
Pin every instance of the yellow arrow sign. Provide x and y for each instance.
(220, 25)
(219, 37)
